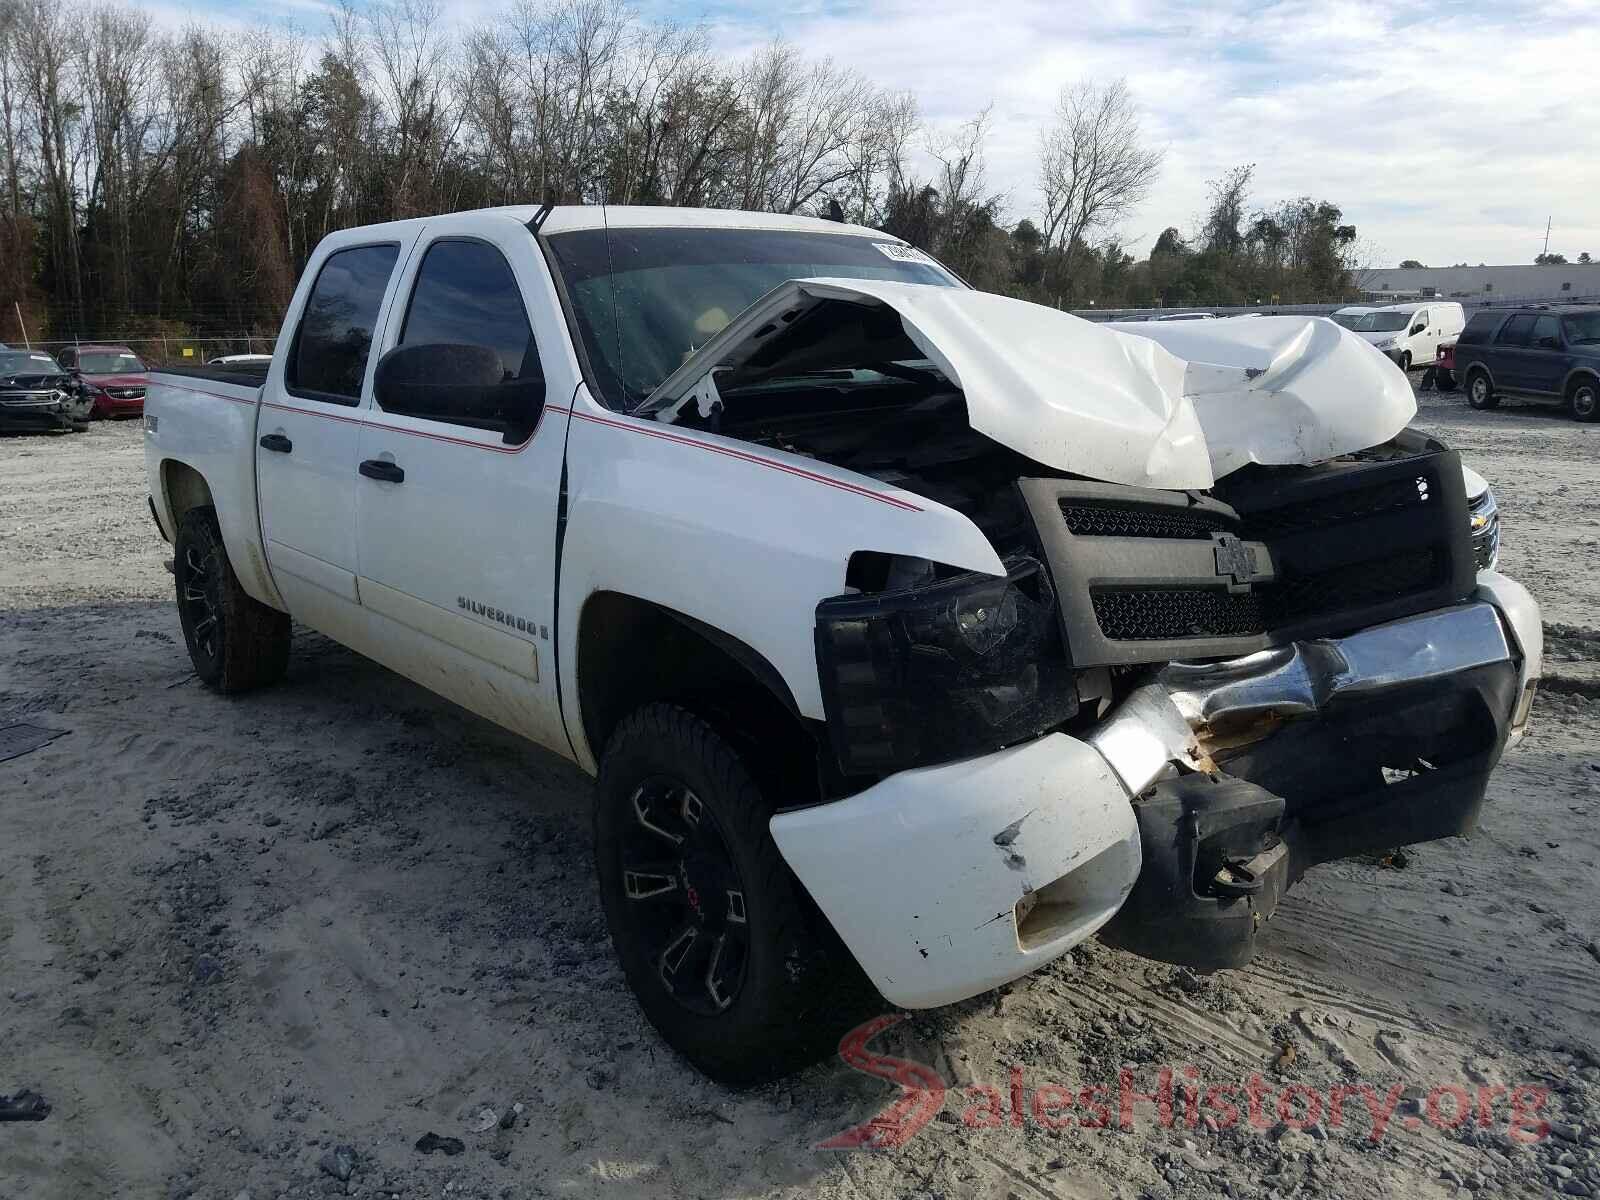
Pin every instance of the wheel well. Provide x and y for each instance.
(632, 652)
(1580, 377)
(185, 489)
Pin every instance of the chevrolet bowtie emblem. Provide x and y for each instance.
(1235, 561)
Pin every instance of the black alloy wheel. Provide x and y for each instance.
(690, 900)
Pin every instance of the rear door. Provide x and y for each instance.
(308, 433)
(456, 520)
(1546, 357)
(1509, 355)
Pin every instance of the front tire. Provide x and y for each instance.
(715, 935)
(235, 642)
(1480, 392)
(1583, 401)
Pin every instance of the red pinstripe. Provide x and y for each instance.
(627, 426)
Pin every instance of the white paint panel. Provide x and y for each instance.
(913, 879)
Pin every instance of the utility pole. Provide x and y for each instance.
(1546, 236)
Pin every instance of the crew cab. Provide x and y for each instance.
(112, 377)
(1544, 353)
(911, 632)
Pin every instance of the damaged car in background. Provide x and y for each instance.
(36, 394)
(906, 628)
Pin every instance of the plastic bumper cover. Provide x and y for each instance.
(947, 881)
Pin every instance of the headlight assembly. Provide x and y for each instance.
(951, 668)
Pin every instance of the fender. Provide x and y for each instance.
(742, 540)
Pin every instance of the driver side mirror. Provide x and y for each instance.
(463, 385)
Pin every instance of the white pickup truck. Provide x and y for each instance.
(907, 628)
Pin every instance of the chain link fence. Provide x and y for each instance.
(171, 350)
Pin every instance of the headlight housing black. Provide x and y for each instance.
(960, 666)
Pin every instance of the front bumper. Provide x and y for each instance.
(947, 881)
(46, 410)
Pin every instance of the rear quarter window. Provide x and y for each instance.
(1481, 328)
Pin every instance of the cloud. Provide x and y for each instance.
(1445, 132)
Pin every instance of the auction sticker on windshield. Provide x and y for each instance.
(902, 253)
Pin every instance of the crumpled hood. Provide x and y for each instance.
(1157, 404)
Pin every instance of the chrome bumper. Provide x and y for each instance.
(1193, 708)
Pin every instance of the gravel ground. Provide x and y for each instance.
(260, 946)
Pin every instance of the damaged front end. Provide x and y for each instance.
(1240, 628)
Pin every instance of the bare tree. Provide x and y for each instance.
(1093, 168)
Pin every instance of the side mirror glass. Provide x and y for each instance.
(464, 385)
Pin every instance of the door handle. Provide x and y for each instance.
(377, 468)
(277, 443)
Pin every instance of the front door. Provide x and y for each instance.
(456, 519)
(307, 437)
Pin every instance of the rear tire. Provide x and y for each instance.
(235, 642)
(717, 938)
(1480, 392)
(1583, 401)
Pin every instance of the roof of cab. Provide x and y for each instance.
(564, 218)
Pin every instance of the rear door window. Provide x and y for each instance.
(1517, 331)
(334, 340)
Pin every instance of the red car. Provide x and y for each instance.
(112, 376)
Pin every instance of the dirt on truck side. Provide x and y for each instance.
(267, 945)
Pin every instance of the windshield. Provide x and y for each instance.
(1383, 322)
(1582, 327)
(27, 362)
(1349, 320)
(108, 362)
(644, 299)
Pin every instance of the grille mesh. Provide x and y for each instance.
(1136, 614)
(1116, 520)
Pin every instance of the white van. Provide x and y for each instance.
(1410, 333)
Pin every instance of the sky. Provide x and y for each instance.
(1447, 132)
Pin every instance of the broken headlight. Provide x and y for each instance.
(946, 669)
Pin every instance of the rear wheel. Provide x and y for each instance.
(1480, 392)
(717, 939)
(235, 641)
(1583, 400)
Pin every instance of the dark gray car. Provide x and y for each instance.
(1537, 353)
(35, 393)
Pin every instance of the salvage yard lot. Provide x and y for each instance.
(238, 933)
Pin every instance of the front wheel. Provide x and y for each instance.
(235, 641)
(1480, 393)
(1583, 401)
(714, 933)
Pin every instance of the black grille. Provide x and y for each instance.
(1088, 519)
(1357, 504)
(1142, 614)
(1163, 614)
